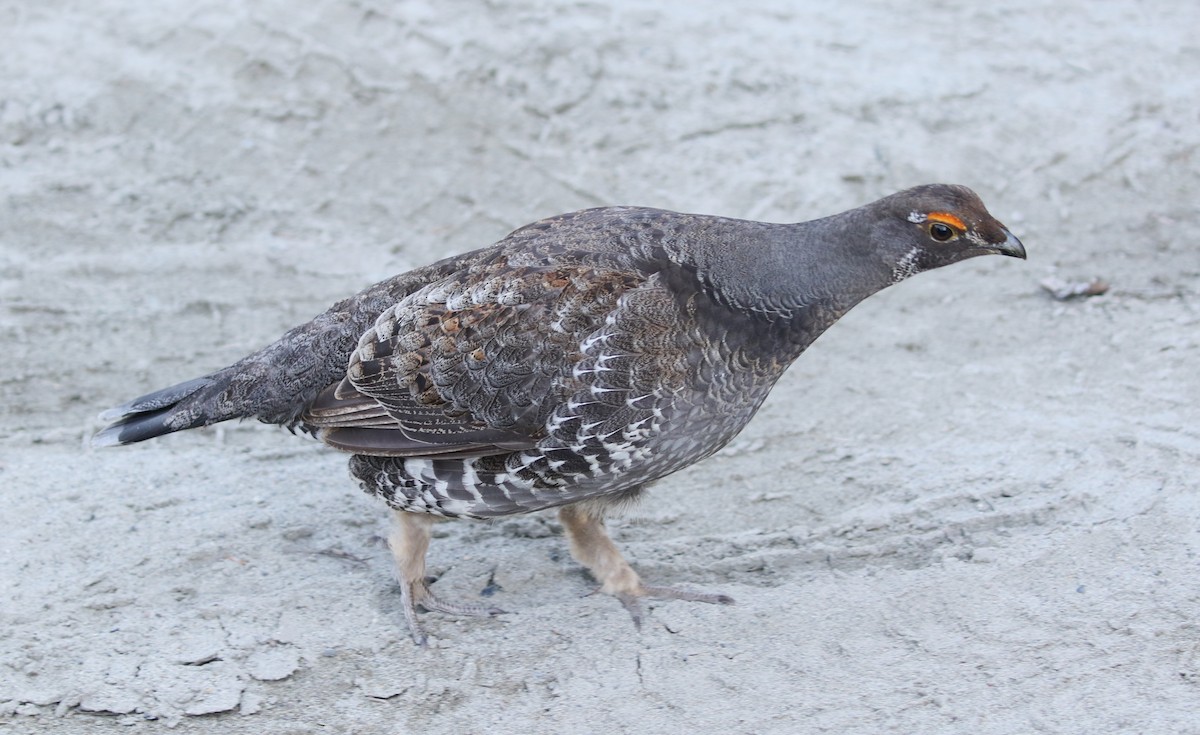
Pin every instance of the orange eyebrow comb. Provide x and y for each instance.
(947, 219)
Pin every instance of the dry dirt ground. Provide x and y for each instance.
(971, 507)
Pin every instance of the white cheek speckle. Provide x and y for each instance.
(916, 218)
(906, 267)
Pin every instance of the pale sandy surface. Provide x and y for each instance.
(969, 508)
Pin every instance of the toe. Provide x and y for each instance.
(431, 602)
(434, 604)
(674, 593)
(633, 604)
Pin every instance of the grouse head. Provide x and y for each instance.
(934, 225)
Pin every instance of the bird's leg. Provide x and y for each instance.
(409, 540)
(591, 547)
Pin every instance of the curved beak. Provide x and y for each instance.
(1011, 246)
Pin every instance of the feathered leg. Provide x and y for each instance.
(591, 547)
(409, 540)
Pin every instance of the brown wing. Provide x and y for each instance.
(470, 365)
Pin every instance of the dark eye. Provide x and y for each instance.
(940, 232)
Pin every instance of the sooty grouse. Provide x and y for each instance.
(569, 364)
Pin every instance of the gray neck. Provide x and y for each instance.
(797, 274)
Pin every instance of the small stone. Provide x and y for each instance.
(1065, 290)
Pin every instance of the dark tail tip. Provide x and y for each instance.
(137, 428)
(148, 416)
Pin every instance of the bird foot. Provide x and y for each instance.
(632, 601)
(418, 594)
(591, 545)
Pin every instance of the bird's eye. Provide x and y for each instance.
(940, 232)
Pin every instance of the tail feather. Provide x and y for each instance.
(151, 415)
(275, 384)
(156, 400)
